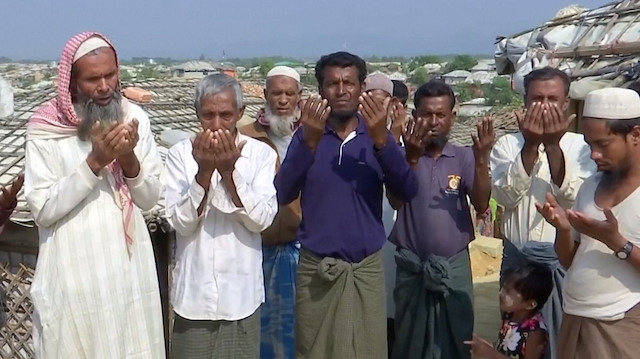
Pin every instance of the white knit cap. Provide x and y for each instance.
(612, 103)
(284, 71)
(90, 44)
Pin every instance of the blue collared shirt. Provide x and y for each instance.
(341, 188)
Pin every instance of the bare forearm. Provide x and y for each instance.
(229, 184)
(481, 191)
(130, 166)
(634, 258)
(396, 131)
(529, 156)
(556, 164)
(565, 247)
(94, 164)
(204, 180)
(618, 243)
(5, 214)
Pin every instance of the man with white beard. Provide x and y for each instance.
(91, 166)
(275, 125)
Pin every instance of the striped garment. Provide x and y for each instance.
(57, 118)
(278, 311)
(216, 339)
(93, 296)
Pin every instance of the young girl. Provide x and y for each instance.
(523, 334)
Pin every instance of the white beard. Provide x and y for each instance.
(89, 113)
(281, 126)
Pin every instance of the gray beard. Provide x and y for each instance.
(90, 113)
(281, 126)
(437, 143)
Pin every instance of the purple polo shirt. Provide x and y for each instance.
(438, 221)
(341, 191)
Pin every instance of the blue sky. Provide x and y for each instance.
(247, 28)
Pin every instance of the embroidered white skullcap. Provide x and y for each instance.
(284, 71)
(89, 45)
(612, 103)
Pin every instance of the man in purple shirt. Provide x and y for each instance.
(338, 161)
(8, 200)
(434, 292)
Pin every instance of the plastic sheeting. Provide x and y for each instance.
(520, 54)
(6, 99)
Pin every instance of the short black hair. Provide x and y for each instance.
(547, 73)
(434, 88)
(635, 86)
(400, 91)
(622, 127)
(532, 280)
(340, 59)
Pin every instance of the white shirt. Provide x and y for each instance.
(598, 285)
(518, 192)
(281, 143)
(218, 272)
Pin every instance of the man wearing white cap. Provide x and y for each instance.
(91, 167)
(274, 126)
(598, 240)
(544, 156)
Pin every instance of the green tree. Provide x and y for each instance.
(420, 76)
(26, 82)
(428, 59)
(419, 61)
(468, 91)
(266, 64)
(500, 94)
(149, 73)
(125, 76)
(461, 62)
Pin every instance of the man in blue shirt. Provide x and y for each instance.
(338, 161)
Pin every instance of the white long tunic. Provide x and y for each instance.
(91, 299)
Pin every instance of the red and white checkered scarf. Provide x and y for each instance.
(57, 119)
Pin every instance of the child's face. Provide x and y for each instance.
(511, 301)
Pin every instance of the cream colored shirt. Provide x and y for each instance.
(598, 285)
(518, 192)
(218, 272)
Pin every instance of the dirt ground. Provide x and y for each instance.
(485, 266)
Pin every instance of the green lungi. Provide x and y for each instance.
(340, 308)
(220, 339)
(434, 306)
